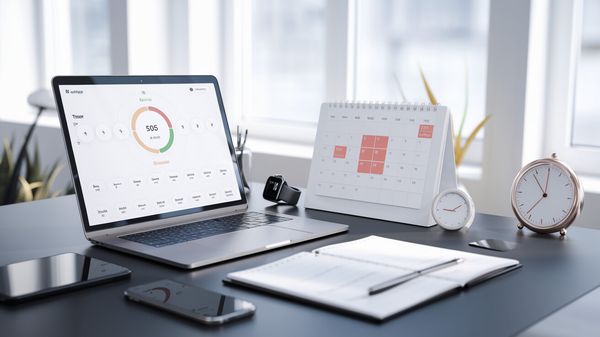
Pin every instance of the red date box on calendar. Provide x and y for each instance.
(425, 131)
(368, 141)
(366, 154)
(364, 166)
(381, 142)
(379, 154)
(339, 151)
(377, 167)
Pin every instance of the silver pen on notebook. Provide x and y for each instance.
(396, 281)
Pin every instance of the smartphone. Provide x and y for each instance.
(54, 274)
(190, 301)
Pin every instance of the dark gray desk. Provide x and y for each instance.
(554, 273)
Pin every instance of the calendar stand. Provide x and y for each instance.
(383, 161)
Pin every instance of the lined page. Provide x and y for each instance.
(343, 283)
(414, 256)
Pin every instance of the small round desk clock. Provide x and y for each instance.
(453, 209)
(546, 196)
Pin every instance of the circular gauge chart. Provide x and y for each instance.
(152, 129)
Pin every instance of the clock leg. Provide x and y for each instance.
(563, 232)
(520, 226)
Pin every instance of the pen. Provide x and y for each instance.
(245, 137)
(383, 286)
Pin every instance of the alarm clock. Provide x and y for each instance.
(453, 209)
(546, 196)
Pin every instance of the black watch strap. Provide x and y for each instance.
(289, 194)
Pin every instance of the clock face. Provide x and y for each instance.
(544, 195)
(452, 210)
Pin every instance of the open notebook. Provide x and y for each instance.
(340, 275)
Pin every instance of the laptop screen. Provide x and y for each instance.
(142, 150)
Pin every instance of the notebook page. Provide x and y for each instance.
(414, 256)
(343, 283)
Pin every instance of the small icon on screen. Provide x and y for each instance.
(191, 89)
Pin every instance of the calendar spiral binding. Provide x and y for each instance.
(377, 105)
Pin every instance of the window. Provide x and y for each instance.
(586, 117)
(395, 37)
(19, 69)
(90, 36)
(573, 66)
(55, 37)
(286, 76)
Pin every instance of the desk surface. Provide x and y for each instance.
(555, 272)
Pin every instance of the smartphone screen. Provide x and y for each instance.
(200, 304)
(46, 275)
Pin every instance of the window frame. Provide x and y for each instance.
(339, 74)
(563, 58)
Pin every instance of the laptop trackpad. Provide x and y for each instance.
(235, 244)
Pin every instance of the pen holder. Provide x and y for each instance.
(244, 163)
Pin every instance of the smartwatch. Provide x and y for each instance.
(277, 190)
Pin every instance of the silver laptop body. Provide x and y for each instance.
(154, 152)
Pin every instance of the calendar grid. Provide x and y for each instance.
(381, 160)
(385, 167)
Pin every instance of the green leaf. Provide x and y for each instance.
(26, 192)
(34, 169)
(461, 153)
(44, 190)
(430, 94)
(6, 167)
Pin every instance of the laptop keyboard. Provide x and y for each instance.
(203, 229)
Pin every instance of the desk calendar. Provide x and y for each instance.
(384, 161)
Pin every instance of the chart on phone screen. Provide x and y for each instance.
(148, 149)
(379, 157)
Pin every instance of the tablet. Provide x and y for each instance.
(54, 274)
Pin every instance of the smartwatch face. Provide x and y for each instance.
(272, 188)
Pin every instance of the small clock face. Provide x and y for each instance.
(453, 210)
(544, 196)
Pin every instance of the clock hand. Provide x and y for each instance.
(452, 209)
(547, 178)
(538, 182)
(532, 207)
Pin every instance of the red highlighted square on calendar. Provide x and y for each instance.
(425, 131)
(372, 154)
(340, 151)
(377, 167)
(379, 154)
(366, 154)
(364, 166)
(368, 141)
(381, 142)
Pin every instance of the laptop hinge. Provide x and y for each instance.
(155, 224)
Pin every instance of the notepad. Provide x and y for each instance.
(340, 275)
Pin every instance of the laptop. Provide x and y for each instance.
(155, 173)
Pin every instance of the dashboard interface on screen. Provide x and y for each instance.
(148, 149)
